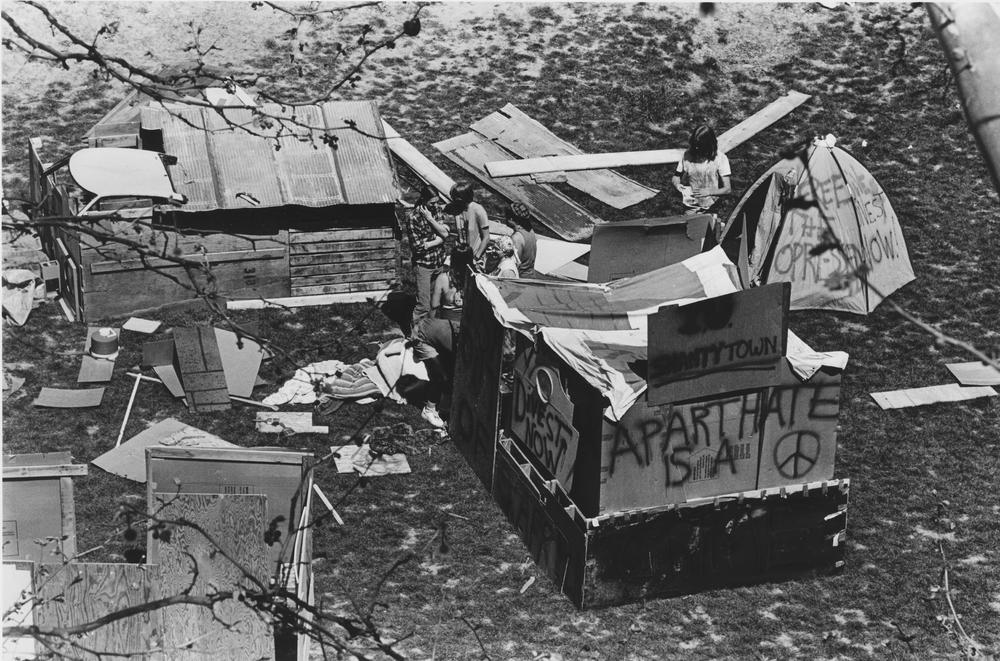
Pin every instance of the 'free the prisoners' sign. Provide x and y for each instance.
(722, 344)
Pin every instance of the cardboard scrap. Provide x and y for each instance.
(241, 359)
(359, 459)
(95, 369)
(61, 398)
(975, 373)
(137, 325)
(952, 392)
(17, 591)
(128, 460)
(289, 422)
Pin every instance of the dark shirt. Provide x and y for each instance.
(420, 232)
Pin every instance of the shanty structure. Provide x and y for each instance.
(825, 225)
(304, 215)
(665, 433)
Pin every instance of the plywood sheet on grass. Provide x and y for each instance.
(79, 593)
(201, 369)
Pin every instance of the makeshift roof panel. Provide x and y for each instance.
(514, 130)
(562, 215)
(219, 167)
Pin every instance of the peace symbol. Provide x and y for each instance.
(796, 453)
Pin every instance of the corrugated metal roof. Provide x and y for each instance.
(215, 163)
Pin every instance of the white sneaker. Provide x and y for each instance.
(430, 414)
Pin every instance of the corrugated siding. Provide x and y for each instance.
(364, 162)
(215, 163)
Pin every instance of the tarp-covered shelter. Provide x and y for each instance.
(791, 218)
(307, 214)
(619, 498)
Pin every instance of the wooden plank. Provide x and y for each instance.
(388, 253)
(760, 120)
(729, 140)
(419, 164)
(620, 159)
(227, 455)
(231, 630)
(28, 472)
(138, 263)
(201, 369)
(553, 209)
(975, 373)
(364, 290)
(334, 273)
(340, 247)
(165, 239)
(306, 299)
(78, 593)
(305, 236)
(517, 132)
(723, 344)
(332, 258)
(299, 272)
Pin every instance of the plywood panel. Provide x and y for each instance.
(201, 369)
(236, 525)
(517, 132)
(32, 519)
(78, 593)
(553, 209)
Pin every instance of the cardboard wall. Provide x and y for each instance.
(625, 249)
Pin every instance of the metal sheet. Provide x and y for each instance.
(110, 171)
(222, 168)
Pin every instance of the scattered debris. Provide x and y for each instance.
(289, 423)
(99, 353)
(360, 459)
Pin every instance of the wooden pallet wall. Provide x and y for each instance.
(341, 260)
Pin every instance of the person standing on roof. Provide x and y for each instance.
(427, 235)
(703, 175)
(518, 217)
(470, 219)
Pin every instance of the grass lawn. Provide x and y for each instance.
(609, 78)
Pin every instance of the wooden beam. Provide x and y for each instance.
(421, 166)
(729, 140)
(532, 166)
(228, 454)
(28, 472)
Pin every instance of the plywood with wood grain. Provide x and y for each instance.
(79, 593)
(201, 369)
(234, 558)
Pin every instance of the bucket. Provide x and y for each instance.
(104, 343)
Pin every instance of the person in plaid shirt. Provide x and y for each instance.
(427, 235)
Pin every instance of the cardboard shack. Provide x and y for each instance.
(297, 218)
(660, 438)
